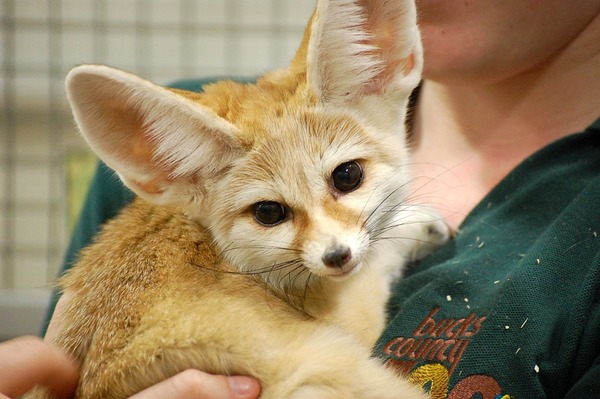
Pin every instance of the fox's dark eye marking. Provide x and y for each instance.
(347, 177)
(269, 213)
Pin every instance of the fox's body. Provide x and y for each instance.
(271, 220)
(177, 305)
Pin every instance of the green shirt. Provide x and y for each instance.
(511, 307)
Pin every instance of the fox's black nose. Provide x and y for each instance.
(337, 256)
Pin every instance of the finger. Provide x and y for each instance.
(28, 361)
(194, 384)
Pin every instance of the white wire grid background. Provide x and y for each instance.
(161, 40)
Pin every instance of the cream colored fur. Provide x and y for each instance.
(186, 277)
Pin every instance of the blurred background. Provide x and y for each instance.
(44, 165)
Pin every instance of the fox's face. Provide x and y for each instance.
(295, 176)
(310, 195)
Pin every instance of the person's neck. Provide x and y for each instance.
(467, 137)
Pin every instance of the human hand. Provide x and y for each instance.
(194, 384)
(28, 361)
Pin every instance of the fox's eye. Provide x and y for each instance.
(269, 213)
(347, 176)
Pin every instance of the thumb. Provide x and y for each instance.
(195, 384)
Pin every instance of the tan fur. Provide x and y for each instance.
(186, 277)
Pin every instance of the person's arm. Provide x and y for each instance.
(585, 372)
(588, 386)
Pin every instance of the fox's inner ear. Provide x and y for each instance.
(363, 48)
(155, 139)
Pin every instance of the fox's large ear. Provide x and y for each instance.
(158, 141)
(363, 48)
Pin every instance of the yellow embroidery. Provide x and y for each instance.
(435, 374)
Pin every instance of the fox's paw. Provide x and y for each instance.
(430, 231)
(438, 231)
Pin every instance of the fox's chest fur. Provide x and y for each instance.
(270, 222)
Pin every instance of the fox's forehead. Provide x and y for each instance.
(311, 132)
(293, 155)
(308, 139)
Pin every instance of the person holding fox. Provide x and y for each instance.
(506, 144)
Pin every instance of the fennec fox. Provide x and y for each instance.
(271, 218)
